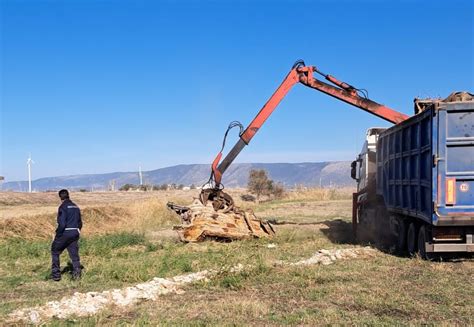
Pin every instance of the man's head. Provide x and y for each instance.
(63, 195)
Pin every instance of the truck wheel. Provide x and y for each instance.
(411, 240)
(422, 238)
(401, 245)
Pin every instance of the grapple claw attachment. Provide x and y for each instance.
(219, 199)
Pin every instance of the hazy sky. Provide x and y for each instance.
(102, 86)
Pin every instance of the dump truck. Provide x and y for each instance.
(415, 180)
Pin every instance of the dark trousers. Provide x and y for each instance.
(68, 240)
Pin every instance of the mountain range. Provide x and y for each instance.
(289, 174)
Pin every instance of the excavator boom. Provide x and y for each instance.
(214, 214)
(304, 75)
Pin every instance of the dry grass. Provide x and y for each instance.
(13, 204)
(87, 198)
(139, 217)
(319, 194)
(383, 290)
(102, 213)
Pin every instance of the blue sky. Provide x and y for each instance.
(102, 86)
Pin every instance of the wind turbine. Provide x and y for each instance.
(140, 175)
(28, 163)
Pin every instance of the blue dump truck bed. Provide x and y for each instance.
(425, 170)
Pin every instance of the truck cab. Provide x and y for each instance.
(364, 168)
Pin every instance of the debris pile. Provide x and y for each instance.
(327, 257)
(87, 304)
(214, 216)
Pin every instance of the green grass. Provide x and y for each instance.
(122, 259)
(349, 292)
(383, 290)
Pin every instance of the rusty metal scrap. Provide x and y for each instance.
(423, 104)
(214, 216)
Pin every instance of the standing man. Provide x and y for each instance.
(67, 237)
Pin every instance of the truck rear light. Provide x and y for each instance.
(450, 191)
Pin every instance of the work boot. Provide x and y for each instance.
(76, 275)
(55, 277)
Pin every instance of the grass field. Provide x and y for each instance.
(127, 240)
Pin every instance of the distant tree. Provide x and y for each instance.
(192, 187)
(145, 187)
(260, 185)
(83, 190)
(180, 186)
(278, 191)
(127, 187)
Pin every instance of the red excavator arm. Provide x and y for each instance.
(304, 75)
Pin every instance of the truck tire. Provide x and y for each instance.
(365, 228)
(411, 240)
(401, 242)
(422, 238)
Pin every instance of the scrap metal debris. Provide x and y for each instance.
(215, 216)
